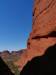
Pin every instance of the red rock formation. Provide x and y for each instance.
(43, 28)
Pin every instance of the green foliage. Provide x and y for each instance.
(17, 71)
(13, 68)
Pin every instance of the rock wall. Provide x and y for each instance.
(42, 65)
(43, 33)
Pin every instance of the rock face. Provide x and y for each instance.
(44, 17)
(43, 33)
(42, 65)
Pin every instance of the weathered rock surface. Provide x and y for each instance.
(43, 33)
(44, 17)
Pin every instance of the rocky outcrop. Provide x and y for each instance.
(41, 65)
(43, 33)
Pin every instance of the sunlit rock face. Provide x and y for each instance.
(44, 17)
(43, 33)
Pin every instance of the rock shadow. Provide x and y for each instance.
(42, 65)
(4, 69)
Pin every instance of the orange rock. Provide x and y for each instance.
(44, 23)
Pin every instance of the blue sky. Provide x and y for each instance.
(15, 23)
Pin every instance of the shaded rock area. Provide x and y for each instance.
(4, 69)
(42, 65)
(43, 33)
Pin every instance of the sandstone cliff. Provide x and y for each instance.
(43, 33)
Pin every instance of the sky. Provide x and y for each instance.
(15, 24)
